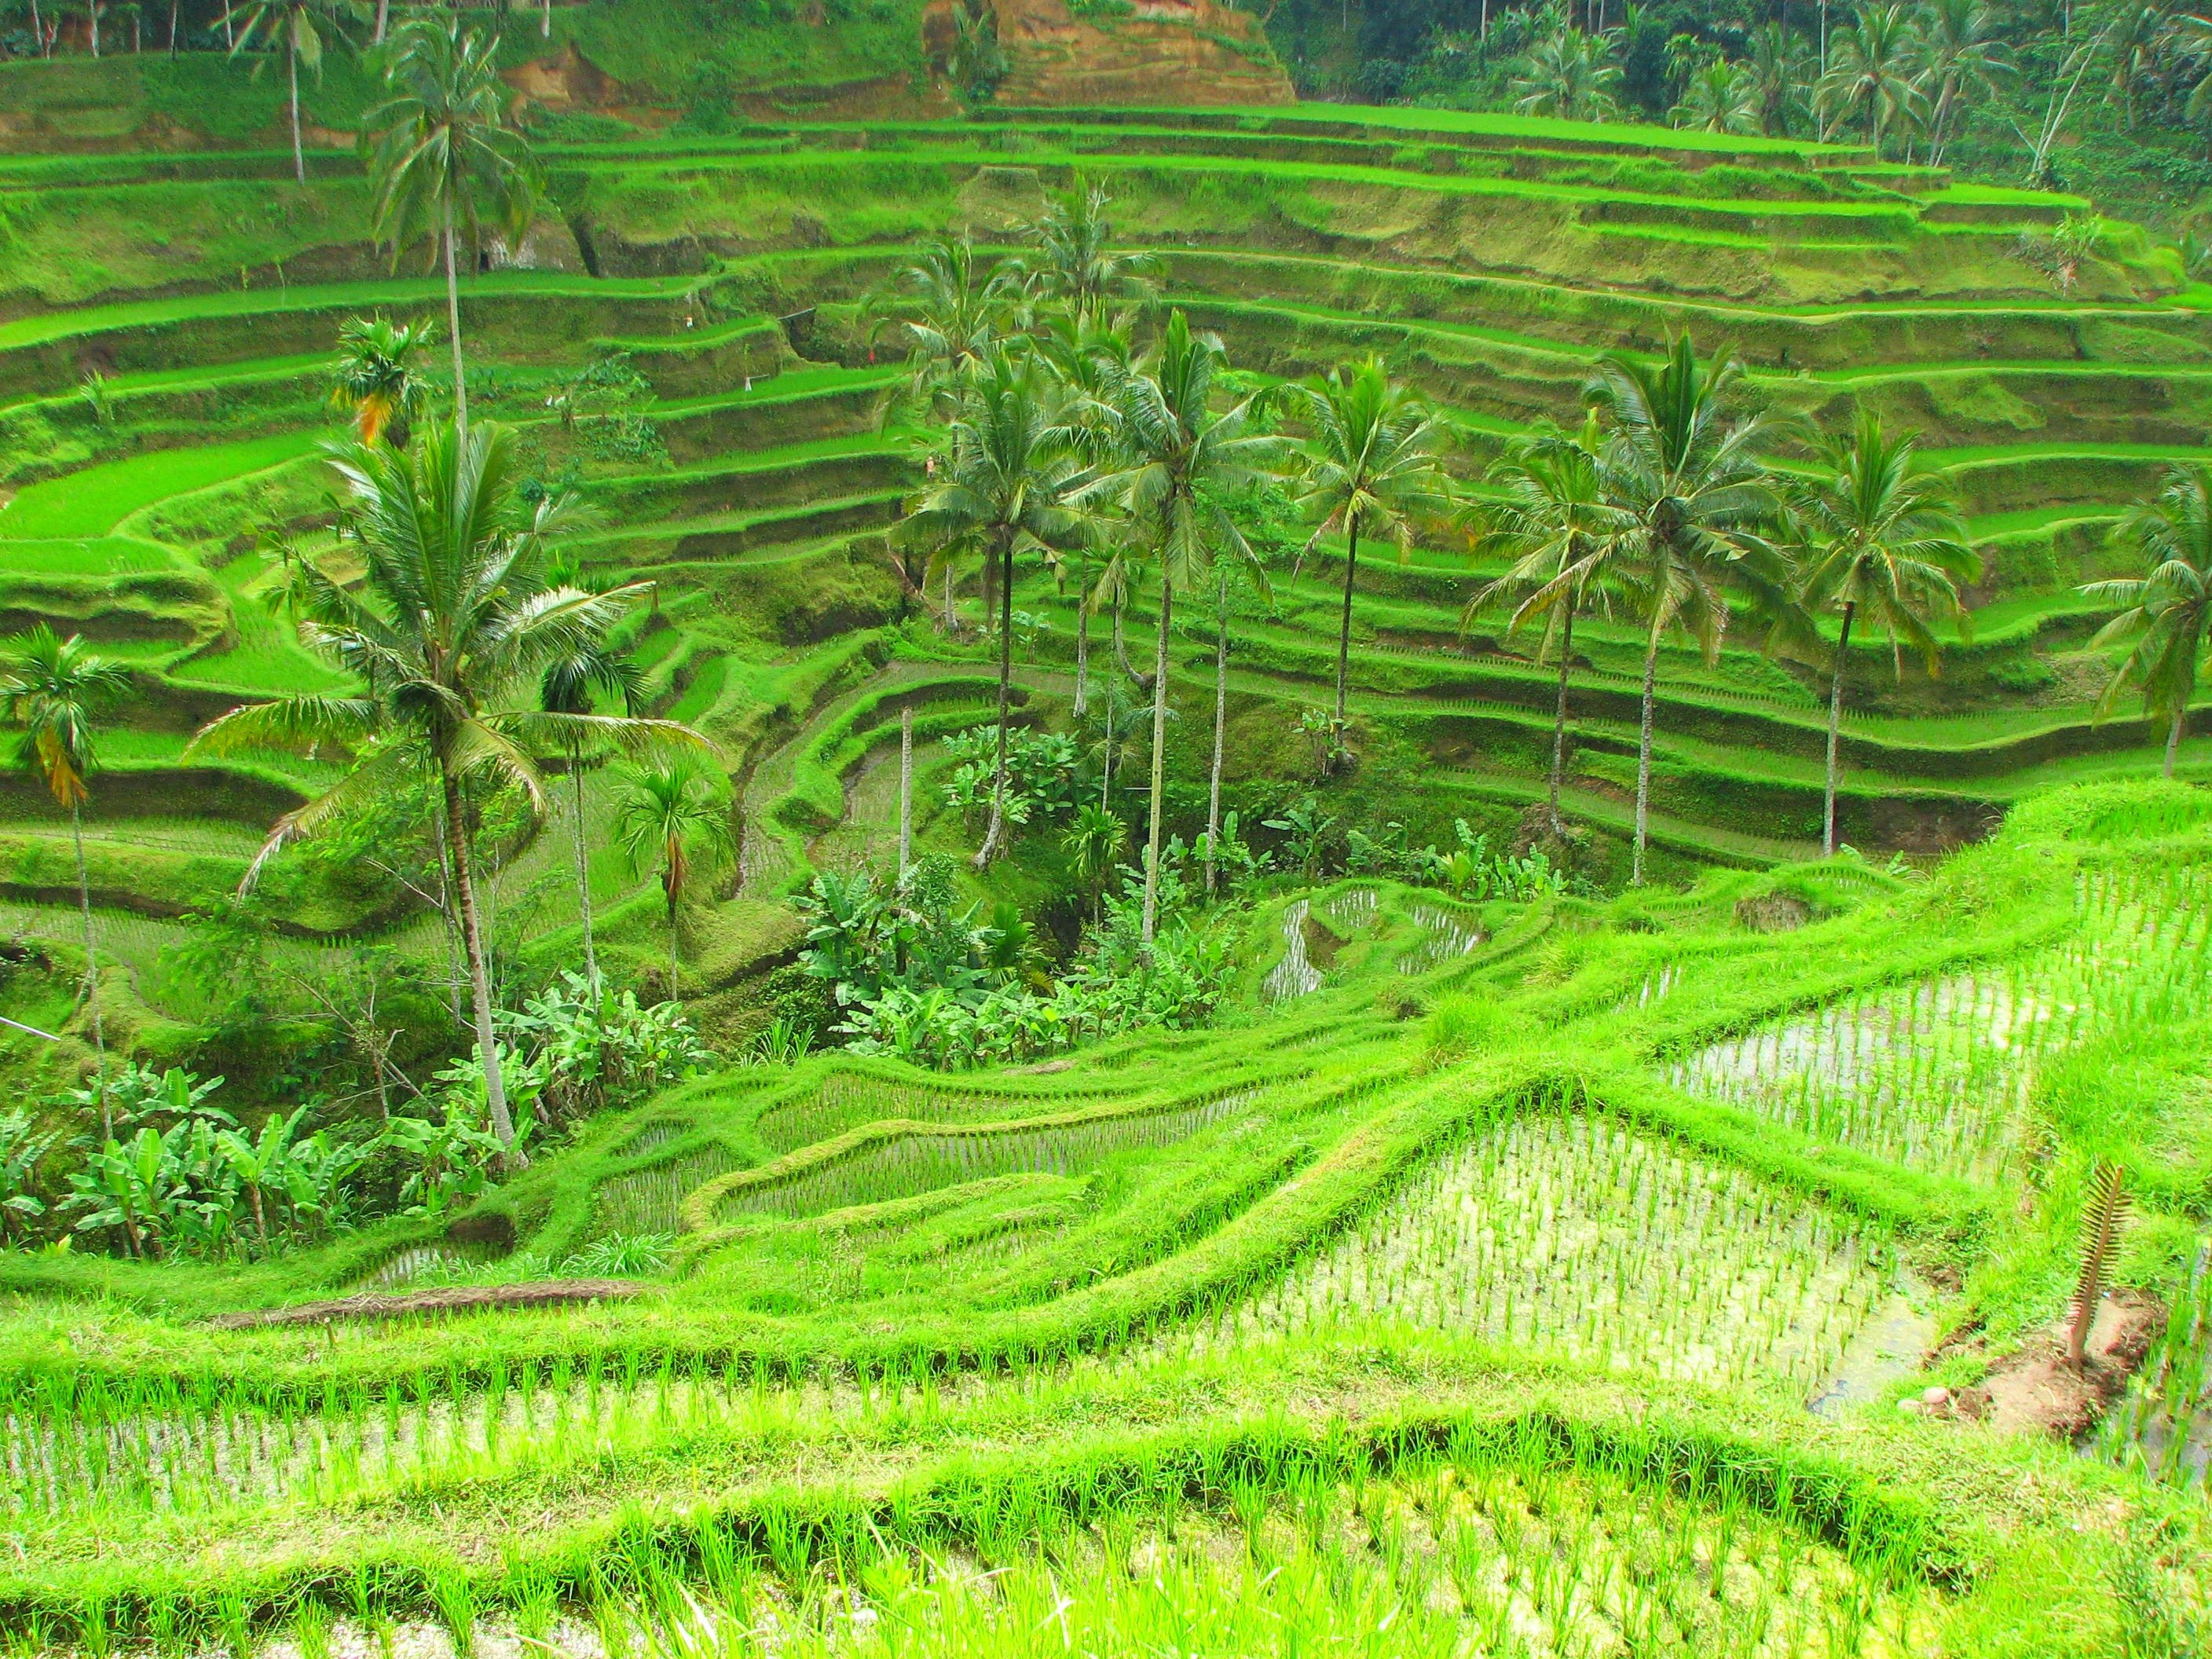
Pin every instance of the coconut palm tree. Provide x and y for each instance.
(1371, 470)
(1075, 263)
(52, 690)
(2168, 608)
(1003, 487)
(1182, 458)
(1688, 480)
(1232, 564)
(573, 685)
(1870, 72)
(674, 810)
(376, 382)
(452, 624)
(1780, 65)
(1721, 97)
(296, 27)
(1553, 521)
(1091, 356)
(950, 312)
(1883, 543)
(1960, 58)
(1567, 73)
(443, 163)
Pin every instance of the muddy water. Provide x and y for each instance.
(1897, 1331)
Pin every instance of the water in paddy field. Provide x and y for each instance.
(1888, 1347)
(2163, 1424)
(1941, 1075)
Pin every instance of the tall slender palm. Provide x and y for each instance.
(2168, 608)
(1870, 72)
(1232, 563)
(1182, 458)
(452, 625)
(296, 27)
(1779, 62)
(950, 310)
(1553, 521)
(1075, 263)
(376, 382)
(1688, 480)
(1884, 542)
(443, 163)
(1004, 489)
(572, 685)
(1089, 355)
(52, 689)
(1371, 470)
(1960, 56)
(674, 810)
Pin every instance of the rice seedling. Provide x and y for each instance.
(1940, 1075)
(646, 1200)
(1569, 1234)
(1449, 936)
(1295, 975)
(2163, 1424)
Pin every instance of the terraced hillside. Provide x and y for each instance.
(1676, 1270)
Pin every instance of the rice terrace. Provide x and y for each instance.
(1105, 827)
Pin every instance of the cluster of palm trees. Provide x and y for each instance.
(1666, 508)
(1897, 74)
(1060, 442)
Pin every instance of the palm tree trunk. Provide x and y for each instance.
(583, 866)
(479, 987)
(952, 622)
(1006, 685)
(2173, 733)
(1159, 753)
(1344, 642)
(383, 15)
(1835, 728)
(447, 909)
(545, 23)
(92, 12)
(298, 155)
(172, 27)
(92, 972)
(39, 30)
(1643, 763)
(1560, 719)
(453, 327)
(1082, 644)
(1220, 731)
(905, 790)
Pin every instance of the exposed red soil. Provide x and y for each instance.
(2035, 1390)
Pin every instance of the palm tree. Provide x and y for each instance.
(1182, 457)
(1076, 265)
(376, 382)
(452, 625)
(1230, 563)
(1690, 486)
(1870, 71)
(1567, 75)
(1372, 470)
(1882, 541)
(443, 160)
(291, 24)
(1090, 357)
(2168, 608)
(1778, 65)
(51, 690)
(1960, 56)
(571, 685)
(1721, 97)
(1004, 489)
(674, 809)
(1554, 522)
(953, 314)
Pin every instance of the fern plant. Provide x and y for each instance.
(2102, 1219)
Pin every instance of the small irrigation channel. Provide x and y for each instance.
(1939, 1075)
(1570, 1234)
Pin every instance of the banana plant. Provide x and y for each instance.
(266, 1161)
